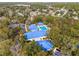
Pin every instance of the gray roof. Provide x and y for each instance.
(13, 25)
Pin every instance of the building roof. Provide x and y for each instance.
(35, 34)
(22, 26)
(57, 53)
(33, 27)
(45, 45)
(13, 25)
(40, 23)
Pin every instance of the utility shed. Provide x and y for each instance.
(46, 45)
(35, 34)
(33, 27)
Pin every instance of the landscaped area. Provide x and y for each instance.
(39, 29)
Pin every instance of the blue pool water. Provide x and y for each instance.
(43, 28)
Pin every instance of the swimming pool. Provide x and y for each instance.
(43, 28)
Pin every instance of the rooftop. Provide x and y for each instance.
(45, 44)
(33, 27)
(35, 34)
